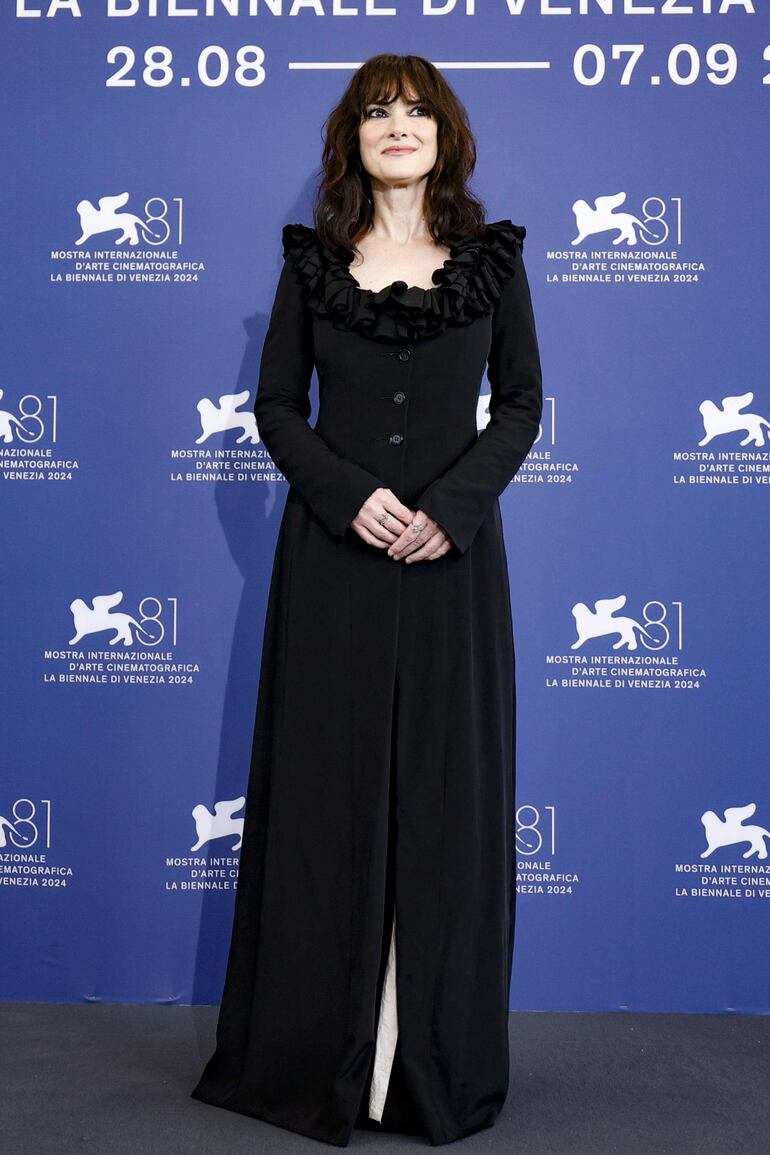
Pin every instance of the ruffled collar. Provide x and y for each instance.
(466, 286)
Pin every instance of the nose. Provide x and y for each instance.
(397, 127)
(397, 132)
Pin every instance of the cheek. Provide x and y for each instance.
(367, 135)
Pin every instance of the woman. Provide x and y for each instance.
(369, 970)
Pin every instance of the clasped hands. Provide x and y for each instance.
(394, 532)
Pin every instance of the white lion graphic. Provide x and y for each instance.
(216, 419)
(597, 624)
(220, 824)
(600, 217)
(92, 620)
(106, 218)
(729, 419)
(731, 832)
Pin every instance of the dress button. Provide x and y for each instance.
(404, 354)
(399, 397)
(396, 439)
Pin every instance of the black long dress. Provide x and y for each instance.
(378, 848)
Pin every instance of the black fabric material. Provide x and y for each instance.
(346, 626)
(468, 284)
(399, 1113)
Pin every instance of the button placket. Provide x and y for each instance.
(404, 355)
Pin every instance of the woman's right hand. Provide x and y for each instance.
(383, 533)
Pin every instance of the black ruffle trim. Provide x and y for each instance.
(466, 286)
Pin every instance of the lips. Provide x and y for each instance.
(397, 151)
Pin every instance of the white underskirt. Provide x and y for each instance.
(387, 1033)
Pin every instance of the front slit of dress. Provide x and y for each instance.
(387, 1021)
(387, 1033)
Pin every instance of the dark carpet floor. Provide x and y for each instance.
(115, 1080)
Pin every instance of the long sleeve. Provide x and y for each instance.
(333, 487)
(460, 499)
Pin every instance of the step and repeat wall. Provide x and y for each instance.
(153, 150)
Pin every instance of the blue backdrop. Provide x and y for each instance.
(150, 162)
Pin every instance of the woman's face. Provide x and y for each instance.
(407, 125)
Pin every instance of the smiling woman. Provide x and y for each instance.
(398, 144)
(370, 962)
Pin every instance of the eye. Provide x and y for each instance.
(369, 114)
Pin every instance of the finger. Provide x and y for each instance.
(425, 548)
(403, 512)
(367, 536)
(431, 554)
(385, 499)
(405, 544)
(389, 520)
(409, 537)
(426, 553)
(383, 530)
(410, 541)
(391, 523)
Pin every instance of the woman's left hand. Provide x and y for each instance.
(431, 542)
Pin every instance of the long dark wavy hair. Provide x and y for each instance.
(343, 210)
